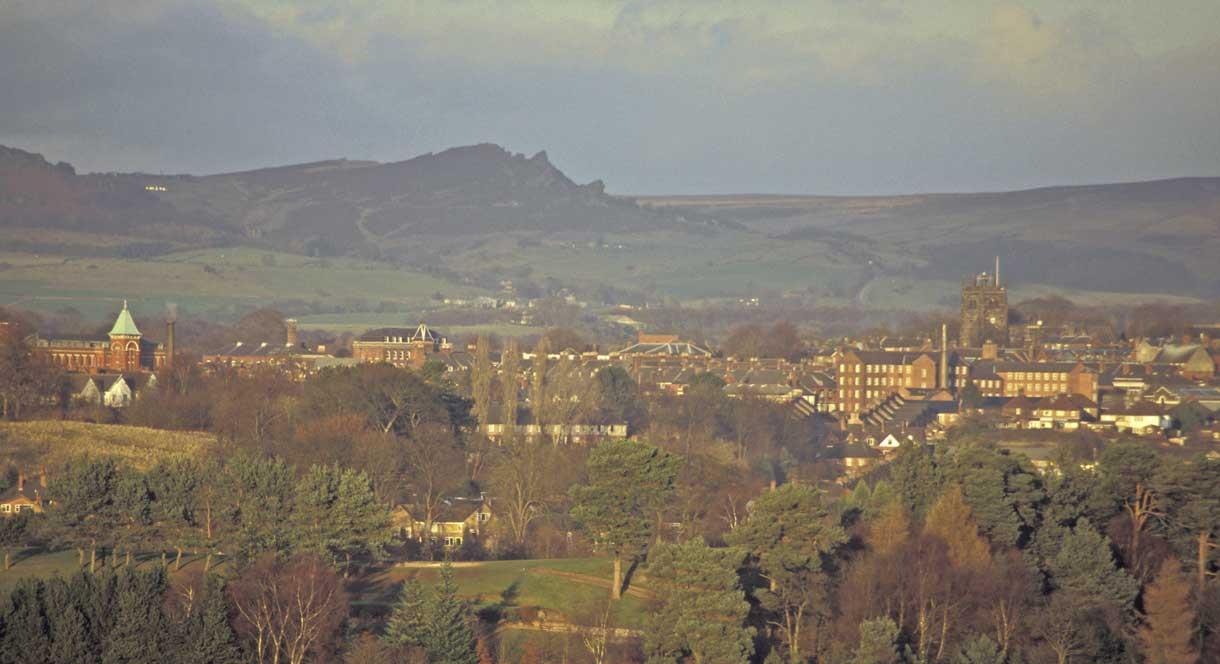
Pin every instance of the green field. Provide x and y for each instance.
(48, 443)
(222, 282)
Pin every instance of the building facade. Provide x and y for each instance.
(123, 350)
(400, 346)
(984, 310)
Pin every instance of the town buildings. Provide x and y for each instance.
(123, 350)
(984, 310)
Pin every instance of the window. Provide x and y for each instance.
(6, 508)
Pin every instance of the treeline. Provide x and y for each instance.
(242, 507)
(963, 556)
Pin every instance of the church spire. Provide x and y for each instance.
(124, 325)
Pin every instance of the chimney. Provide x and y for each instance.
(20, 481)
(997, 271)
(291, 326)
(169, 343)
(944, 356)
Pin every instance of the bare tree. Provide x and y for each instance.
(288, 611)
(435, 466)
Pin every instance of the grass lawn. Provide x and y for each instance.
(50, 442)
(560, 588)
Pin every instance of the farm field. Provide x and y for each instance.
(221, 282)
(51, 442)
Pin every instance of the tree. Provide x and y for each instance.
(879, 643)
(1004, 491)
(258, 496)
(539, 392)
(138, 628)
(449, 638)
(480, 382)
(1191, 498)
(338, 515)
(980, 650)
(435, 466)
(23, 381)
(13, 532)
(510, 368)
(951, 520)
(409, 621)
(703, 608)
(917, 473)
(787, 535)
(628, 483)
(1084, 568)
(288, 611)
(522, 482)
(970, 397)
(1128, 469)
(618, 398)
(1168, 631)
(207, 637)
(433, 620)
(85, 508)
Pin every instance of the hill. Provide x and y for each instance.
(49, 443)
(474, 217)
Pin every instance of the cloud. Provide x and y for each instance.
(830, 96)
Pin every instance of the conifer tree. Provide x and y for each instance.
(449, 638)
(953, 522)
(408, 623)
(703, 608)
(207, 637)
(629, 481)
(1166, 637)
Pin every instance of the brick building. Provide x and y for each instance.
(123, 350)
(866, 378)
(401, 346)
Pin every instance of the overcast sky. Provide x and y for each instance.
(670, 96)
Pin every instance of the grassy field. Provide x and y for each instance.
(552, 589)
(218, 281)
(31, 563)
(48, 443)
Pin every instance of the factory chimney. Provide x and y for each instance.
(997, 271)
(291, 326)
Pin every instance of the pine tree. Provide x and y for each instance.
(139, 630)
(703, 608)
(408, 624)
(980, 650)
(879, 643)
(1169, 618)
(449, 638)
(25, 637)
(209, 639)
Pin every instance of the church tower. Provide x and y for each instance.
(125, 342)
(984, 310)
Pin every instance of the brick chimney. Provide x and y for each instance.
(20, 481)
(169, 343)
(291, 326)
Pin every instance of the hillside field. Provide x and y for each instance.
(51, 442)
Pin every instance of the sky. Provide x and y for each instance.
(659, 97)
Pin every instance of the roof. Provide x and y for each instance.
(874, 357)
(1139, 408)
(124, 325)
(1066, 367)
(401, 334)
(673, 348)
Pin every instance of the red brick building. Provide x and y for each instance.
(401, 346)
(123, 350)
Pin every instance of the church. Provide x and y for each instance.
(123, 350)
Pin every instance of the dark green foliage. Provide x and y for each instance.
(1004, 492)
(979, 650)
(918, 475)
(703, 608)
(434, 620)
(880, 643)
(1084, 568)
(628, 483)
(205, 636)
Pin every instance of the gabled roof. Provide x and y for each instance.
(124, 325)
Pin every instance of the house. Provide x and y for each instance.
(1143, 417)
(1065, 411)
(458, 519)
(24, 496)
(110, 390)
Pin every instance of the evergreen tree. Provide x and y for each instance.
(918, 475)
(207, 637)
(139, 630)
(449, 639)
(1084, 568)
(703, 608)
(409, 620)
(979, 650)
(879, 643)
(787, 534)
(1166, 637)
(629, 482)
(24, 632)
